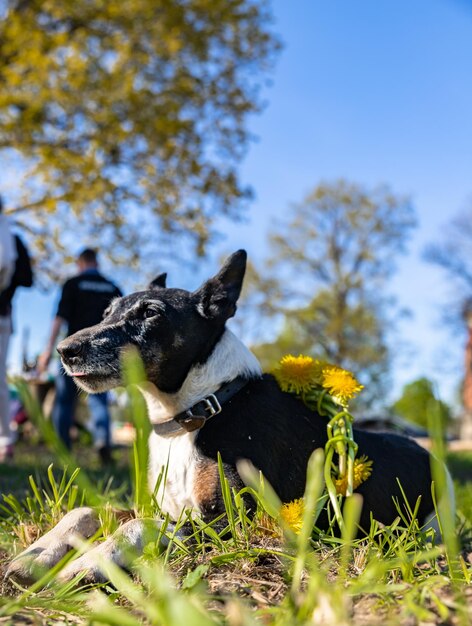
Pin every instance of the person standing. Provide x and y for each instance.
(83, 301)
(15, 271)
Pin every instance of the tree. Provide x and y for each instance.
(418, 401)
(128, 117)
(454, 255)
(334, 256)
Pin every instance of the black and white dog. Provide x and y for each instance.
(206, 394)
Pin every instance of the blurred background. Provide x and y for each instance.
(331, 140)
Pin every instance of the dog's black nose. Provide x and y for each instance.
(69, 349)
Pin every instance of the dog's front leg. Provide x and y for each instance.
(49, 549)
(122, 548)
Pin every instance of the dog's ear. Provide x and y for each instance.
(218, 296)
(158, 282)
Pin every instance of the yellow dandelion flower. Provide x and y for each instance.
(292, 514)
(340, 383)
(362, 471)
(318, 369)
(296, 374)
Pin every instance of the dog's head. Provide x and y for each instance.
(172, 329)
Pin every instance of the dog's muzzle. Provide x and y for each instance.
(70, 350)
(86, 364)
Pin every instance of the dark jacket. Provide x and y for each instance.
(22, 277)
(84, 299)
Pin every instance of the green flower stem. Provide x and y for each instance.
(346, 461)
(350, 475)
(352, 451)
(340, 440)
(318, 397)
(331, 488)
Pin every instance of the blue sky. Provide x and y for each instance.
(373, 92)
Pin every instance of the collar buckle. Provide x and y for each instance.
(193, 421)
(197, 415)
(212, 405)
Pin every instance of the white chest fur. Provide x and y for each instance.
(176, 459)
(177, 455)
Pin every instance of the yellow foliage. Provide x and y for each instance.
(127, 105)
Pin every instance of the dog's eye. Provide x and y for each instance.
(150, 312)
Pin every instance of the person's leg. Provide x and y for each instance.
(99, 420)
(64, 406)
(6, 438)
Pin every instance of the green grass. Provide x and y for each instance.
(256, 573)
(250, 571)
(34, 459)
(460, 466)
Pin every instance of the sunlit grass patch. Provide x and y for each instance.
(394, 577)
(239, 569)
(242, 569)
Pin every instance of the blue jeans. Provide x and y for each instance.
(64, 408)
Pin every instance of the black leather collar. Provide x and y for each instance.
(197, 415)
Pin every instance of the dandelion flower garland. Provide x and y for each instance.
(292, 514)
(302, 374)
(327, 388)
(340, 384)
(296, 374)
(362, 471)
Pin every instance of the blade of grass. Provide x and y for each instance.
(134, 376)
(313, 490)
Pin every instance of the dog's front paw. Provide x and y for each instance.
(49, 549)
(87, 569)
(121, 549)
